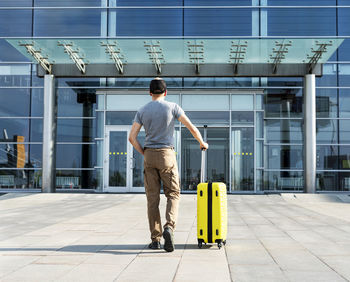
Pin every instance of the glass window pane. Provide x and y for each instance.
(14, 75)
(67, 3)
(37, 106)
(284, 103)
(100, 99)
(120, 118)
(242, 102)
(259, 125)
(326, 131)
(15, 23)
(284, 180)
(17, 126)
(326, 103)
(117, 175)
(76, 130)
(259, 102)
(75, 156)
(301, 22)
(327, 157)
(127, 102)
(302, 3)
(344, 20)
(190, 160)
(242, 118)
(218, 155)
(76, 102)
(147, 22)
(17, 3)
(344, 103)
(242, 159)
(67, 22)
(329, 76)
(205, 102)
(20, 179)
(259, 154)
(218, 22)
(344, 157)
(344, 52)
(36, 155)
(344, 73)
(209, 117)
(14, 102)
(284, 131)
(216, 82)
(77, 179)
(329, 181)
(284, 157)
(36, 130)
(344, 131)
(10, 54)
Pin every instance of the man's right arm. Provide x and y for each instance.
(194, 131)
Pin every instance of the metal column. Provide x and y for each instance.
(49, 135)
(310, 133)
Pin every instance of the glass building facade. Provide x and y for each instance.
(254, 124)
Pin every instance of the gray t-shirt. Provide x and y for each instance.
(158, 119)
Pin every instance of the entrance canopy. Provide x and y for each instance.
(174, 57)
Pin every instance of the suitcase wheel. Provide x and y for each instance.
(200, 243)
(224, 242)
(219, 245)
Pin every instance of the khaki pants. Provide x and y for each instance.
(160, 164)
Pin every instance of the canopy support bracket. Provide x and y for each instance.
(36, 54)
(237, 54)
(115, 55)
(278, 53)
(196, 54)
(155, 55)
(74, 55)
(317, 54)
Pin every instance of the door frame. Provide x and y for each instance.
(129, 168)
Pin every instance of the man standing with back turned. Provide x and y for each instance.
(158, 118)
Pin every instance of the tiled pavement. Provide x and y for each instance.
(103, 237)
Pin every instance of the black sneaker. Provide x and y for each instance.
(169, 239)
(155, 245)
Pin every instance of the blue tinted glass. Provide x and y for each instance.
(76, 130)
(75, 156)
(327, 157)
(77, 179)
(142, 3)
(344, 50)
(37, 106)
(14, 75)
(284, 81)
(76, 102)
(329, 180)
(72, 22)
(326, 131)
(120, 118)
(36, 130)
(147, 22)
(15, 23)
(284, 103)
(344, 74)
(344, 103)
(284, 180)
(344, 131)
(14, 102)
(344, 157)
(217, 82)
(284, 157)
(217, 3)
(17, 126)
(67, 3)
(218, 22)
(344, 21)
(9, 53)
(284, 131)
(302, 22)
(301, 3)
(15, 3)
(329, 77)
(326, 103)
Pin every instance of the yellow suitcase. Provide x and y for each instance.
(211, 211)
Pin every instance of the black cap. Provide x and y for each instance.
(157, 86)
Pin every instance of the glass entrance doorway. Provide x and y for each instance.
(123, 164)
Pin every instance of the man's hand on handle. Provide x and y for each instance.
(204, 146)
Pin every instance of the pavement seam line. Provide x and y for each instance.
(306, 249)
(282, 271)
(188, 237)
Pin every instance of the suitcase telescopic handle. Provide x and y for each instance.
(203, 166)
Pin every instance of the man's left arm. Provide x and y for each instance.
(135, 129)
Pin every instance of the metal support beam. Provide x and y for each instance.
(183, 70)
(317, 54)
(115, 55)
(196, 54)
(237, 54)
(278, 53)
(310, 133)
(49, 135)
(38, 56)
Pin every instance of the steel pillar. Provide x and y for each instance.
(310, 133)
(49, 135)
